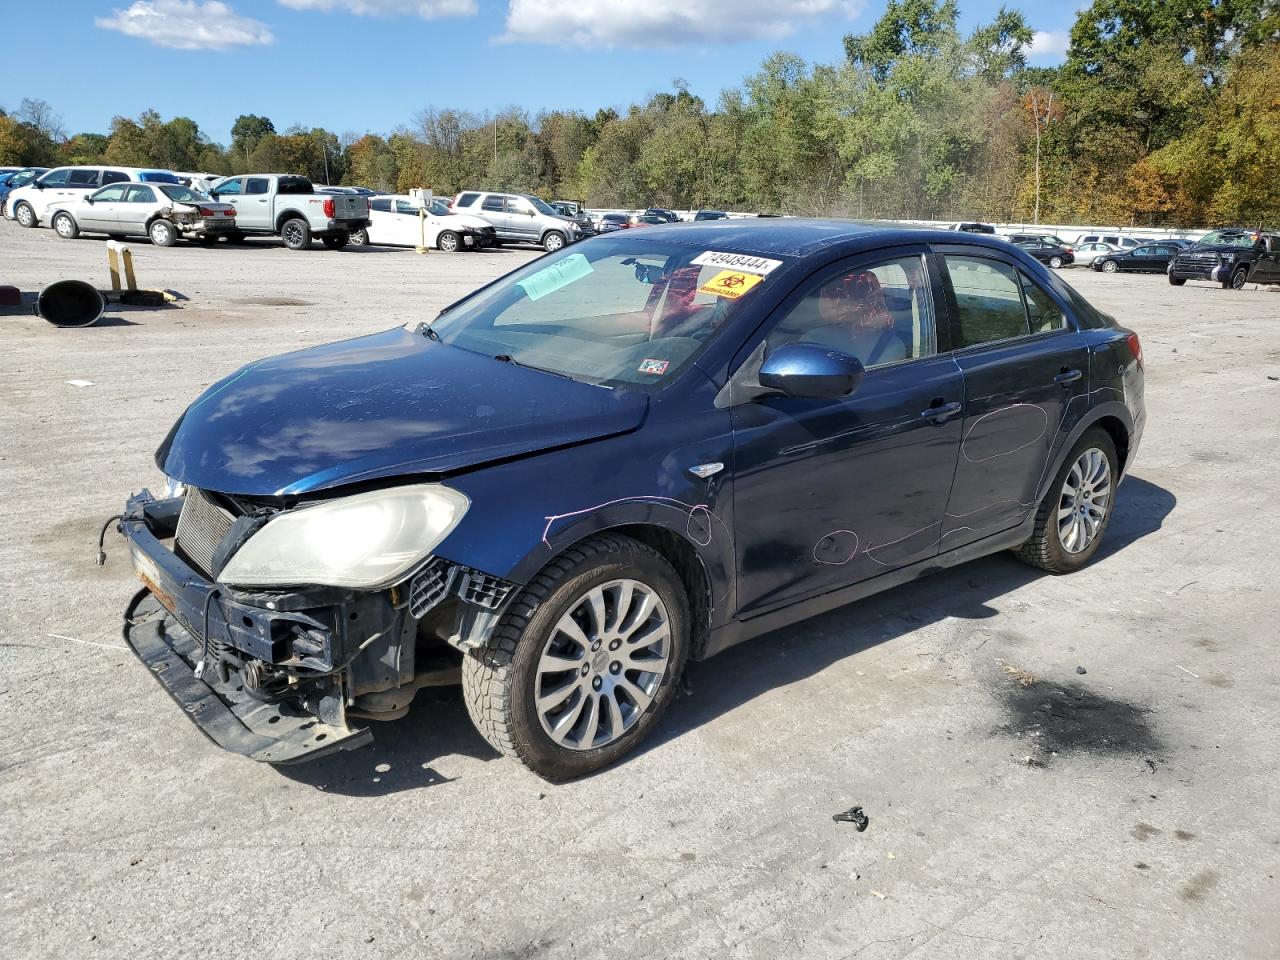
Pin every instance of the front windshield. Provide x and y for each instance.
(1220, 238)
(23, 177)
(181, 194)
(542, 206)
(613, 311)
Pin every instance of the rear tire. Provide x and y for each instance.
(505, 683)
(1075, 513)
(235, 236)
(25, 215)
(162, 233)
(359, 238)
(1055, 263)
(1110, 266)
(448, 241)
(335, 241)
(553, 241)
(296, 233)
(64, 225)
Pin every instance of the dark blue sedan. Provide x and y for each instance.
(640, 450)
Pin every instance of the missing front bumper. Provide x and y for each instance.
(278, 733)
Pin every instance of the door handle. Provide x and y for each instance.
(941, 412)
(1068, 376)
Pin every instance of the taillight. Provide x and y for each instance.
(1135, 347)
(327, 206)
(210, 212)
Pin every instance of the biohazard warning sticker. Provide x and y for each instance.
(656, 367)
(730, 284)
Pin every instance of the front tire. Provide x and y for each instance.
(25, 215)
(1110, 266)
(1076, 511)
(1237, 280)
(1055, 263)
(162, 233)
(448, 241)
(584, 661)
(64, 225)
(1176, 281)
(296, 234)
(553, 241)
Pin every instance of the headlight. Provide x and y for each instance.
(174, 488)
(365, 541)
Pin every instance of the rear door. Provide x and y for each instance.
(1026, 384)
(139, 204)
(493, 207)
(254, 209)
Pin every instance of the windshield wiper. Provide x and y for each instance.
(425, 329)
(508, 358)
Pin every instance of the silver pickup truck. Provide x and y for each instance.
(287, 206)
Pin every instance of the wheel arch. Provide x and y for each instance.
(1112, 416)
(293, 213)
(680, 553)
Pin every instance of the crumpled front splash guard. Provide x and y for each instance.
(268, 732)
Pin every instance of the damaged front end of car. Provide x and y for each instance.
(282, 628)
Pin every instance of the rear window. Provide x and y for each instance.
(294, 185)
(158, 176)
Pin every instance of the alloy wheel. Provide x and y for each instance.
(1084, 501)
(1239, 279)
(602, 665)
(292, 234)
(1110, 267)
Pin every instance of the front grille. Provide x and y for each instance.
(201, 526)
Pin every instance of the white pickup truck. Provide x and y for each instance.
(287, 206)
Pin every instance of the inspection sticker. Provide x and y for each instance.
(656, 367)
(737, 261)
(730, 284)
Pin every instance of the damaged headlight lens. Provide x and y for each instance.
(365, 541)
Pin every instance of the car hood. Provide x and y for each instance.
(386, 405)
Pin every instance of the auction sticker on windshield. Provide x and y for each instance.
(737, 261)
(730, 284)
(552, 278)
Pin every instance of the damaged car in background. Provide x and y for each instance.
(162, 211)
(627, 454)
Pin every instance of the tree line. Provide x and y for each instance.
(1164, 112)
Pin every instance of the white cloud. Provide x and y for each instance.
(426, 9)
(187, 25)
(1049, 43)
(666, 23)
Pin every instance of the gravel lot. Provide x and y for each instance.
(1129, 811)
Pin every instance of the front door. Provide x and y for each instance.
(104, 213)
(1026, 383)
(522, 218)
(830, 492)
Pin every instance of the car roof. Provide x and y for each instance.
(802, 237)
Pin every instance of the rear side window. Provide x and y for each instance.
(492, 204)
(467, 199)
(84, 177)
(988, 301)
(384, 206)
(259, 185)
(114, 176)
(140, 195)
(1043, 313)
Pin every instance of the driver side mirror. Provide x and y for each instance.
(812, 371)
(89, 200)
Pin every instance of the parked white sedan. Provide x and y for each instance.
(394, 222)
(162, 211)
(1086, 253)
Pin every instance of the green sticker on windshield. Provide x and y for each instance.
(550, 279)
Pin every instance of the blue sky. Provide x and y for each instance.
(370, 65)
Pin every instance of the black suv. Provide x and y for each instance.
(1232, 256)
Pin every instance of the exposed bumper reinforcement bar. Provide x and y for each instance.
(275, 733)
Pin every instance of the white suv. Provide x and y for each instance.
(30, 205)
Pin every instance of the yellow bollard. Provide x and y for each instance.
(422, 231)
(117, 252)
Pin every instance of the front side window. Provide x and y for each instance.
(111, 194)
(880, 314)
(618, 312)
(404, 206)
(230, 188)
(55, 178)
